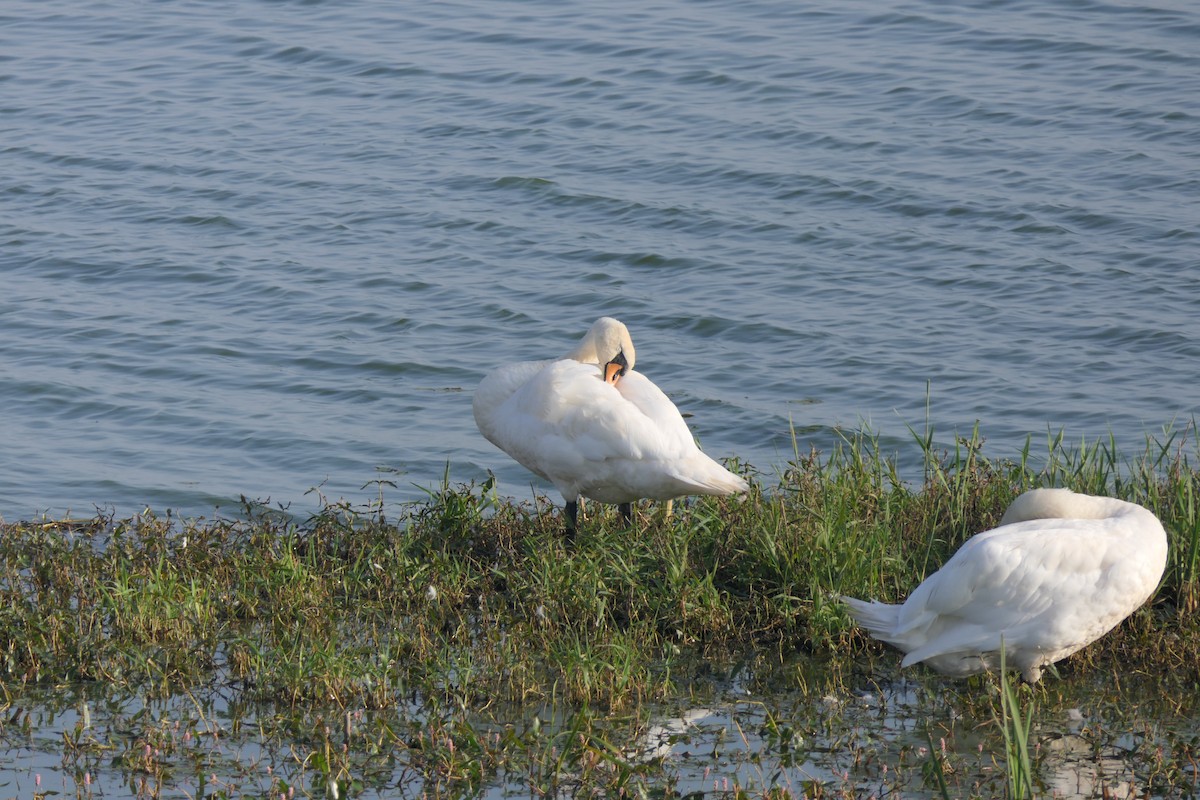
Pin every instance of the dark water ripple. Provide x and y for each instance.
(260, 248)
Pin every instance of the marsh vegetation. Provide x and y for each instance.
(460, 646)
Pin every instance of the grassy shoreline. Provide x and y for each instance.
(467, 600)
(256, 597)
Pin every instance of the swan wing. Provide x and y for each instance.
(567, 424)
(658, 409)
(1040, 584)
(494, 391)
(677, 453)
(563, 422)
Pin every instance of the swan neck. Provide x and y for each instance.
(1065, 504)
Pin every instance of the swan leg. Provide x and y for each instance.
(626, 512)
(572, 510)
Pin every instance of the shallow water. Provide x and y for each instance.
(260, 248)
(868, 739)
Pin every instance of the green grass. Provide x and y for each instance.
(465, 601)
(1015, 724)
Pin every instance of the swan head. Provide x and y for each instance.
(606, 342)
(614, 369)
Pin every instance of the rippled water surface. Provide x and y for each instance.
(254, 248)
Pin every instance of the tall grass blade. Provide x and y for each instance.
(1016, 726)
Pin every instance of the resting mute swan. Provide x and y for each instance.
(1060, 571)
(595, 428)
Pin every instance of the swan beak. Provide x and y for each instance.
(614, 369)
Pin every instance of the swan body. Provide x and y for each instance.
(1060, 571)
(594, 427)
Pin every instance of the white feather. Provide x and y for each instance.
(611, 443)
(1060, 571)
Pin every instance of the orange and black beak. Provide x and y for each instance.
(614, 369)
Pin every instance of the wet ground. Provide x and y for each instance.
(789, 729)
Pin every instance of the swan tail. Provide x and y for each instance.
(732, 484)
(712, 479)
(716, 488)
(880, 619)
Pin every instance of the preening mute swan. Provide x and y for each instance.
(1060, 571)
(595, 428)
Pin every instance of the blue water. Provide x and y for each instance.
(253, 248)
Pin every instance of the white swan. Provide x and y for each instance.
(596, 428)
(1060, 571)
